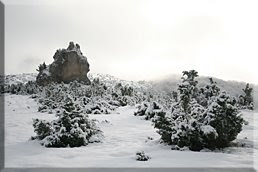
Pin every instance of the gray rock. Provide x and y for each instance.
(69, 65)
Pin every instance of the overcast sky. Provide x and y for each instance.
(137, 39)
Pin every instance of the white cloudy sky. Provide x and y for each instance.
(137, 39)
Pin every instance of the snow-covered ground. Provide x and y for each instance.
(125, 134)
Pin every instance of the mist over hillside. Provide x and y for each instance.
(234, 88)
(165, 84)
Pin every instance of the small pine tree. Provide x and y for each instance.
(248, 94)
(226, 119)
(188, 89)
(190, 77)
(163, 123)
(185, 96)
(197, 126)
(72, 128)
(246, 100)
(207, 93)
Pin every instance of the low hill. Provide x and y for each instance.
(164, 85)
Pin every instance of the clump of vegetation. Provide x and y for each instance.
(149, 110)
(191, 116)
(141, 156)
(71, 129)
(246, 100)
(202, 118)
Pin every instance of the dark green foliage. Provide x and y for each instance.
(205, 118)
(125, 95)
(127, 91)
(207, 93)
(248, 94)
(92, 99)
(98, 88)
(31, 88)
(227, 121)
(141, 109)
(122, 101)
(20, 88)
(188, 89)
(211, 90)
(149, 110)
(153, 110)
(246, 100)
(141, 156)
(42, 108)
(190, 77)
(42, 128)
(185, 97)
(72, 128)
(163, 123)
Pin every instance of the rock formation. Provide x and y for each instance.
(69, 65)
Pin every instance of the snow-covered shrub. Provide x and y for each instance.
(126, 91)
(196, 125)
(72, 128)
(191, 130)
(88, 97)
(20, 88)
(246, 101)
(186, 127)
(163, 123)
(97, 105)
(16, 88)
(141, 109)
(187, 89)
(114, 103)
(149, 110)
(122, 100)
(141, 156)
(31, 88)
(153, 109)
(225, 119)
(102, 96)
(208, 93)
(125, 95)
(42, 108)
(42, 128)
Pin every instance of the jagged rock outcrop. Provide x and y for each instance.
(69, 65)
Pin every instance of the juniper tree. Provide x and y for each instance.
(197, 126)
(190, 77)
(248, 96)
(207, 93)
(188, 89)
(225, 118)
(72, 128)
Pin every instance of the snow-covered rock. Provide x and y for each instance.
(69, 65)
